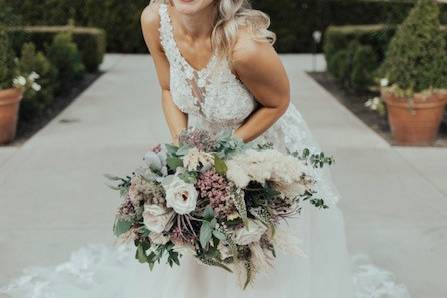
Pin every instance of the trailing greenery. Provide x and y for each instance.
(34, 103)
(64, 55)
(338, 49)
(6, 61)
(293, 20)
(416, 59)
(91, 42)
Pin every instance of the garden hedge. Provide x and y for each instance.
(91, 42)
(341, 44)
(292, 20)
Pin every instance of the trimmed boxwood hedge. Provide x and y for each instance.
(342, 44)
(91, 42)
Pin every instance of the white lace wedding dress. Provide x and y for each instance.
(215, 99)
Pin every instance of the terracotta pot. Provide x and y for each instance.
(9, 109)
(416, 124)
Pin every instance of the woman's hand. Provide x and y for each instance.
(258, 66)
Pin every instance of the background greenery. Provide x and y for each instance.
(293, 20)
(416, 58)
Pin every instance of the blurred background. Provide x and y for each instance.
(93, 108)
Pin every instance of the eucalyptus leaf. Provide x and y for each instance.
(188, 177)
(213, 223)
(171, 149)
(220, 166)
(205, 234)
(141, 254)
(121, 226)
(174, 162)
(182, 151)
(208, 214)
(219, 235)
(112, 177)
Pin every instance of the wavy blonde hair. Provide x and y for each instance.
(231, 16)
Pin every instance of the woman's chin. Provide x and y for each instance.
(189, 6)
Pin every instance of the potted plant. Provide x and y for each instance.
(415, 77)
(12, 87)
(9, 96)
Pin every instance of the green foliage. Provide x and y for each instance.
(220, 166)
(292, 20)
(354, 66)
(91, 42)
(146, 254)
(121, 226)
(364, 63)
(64, 55)
(121, 19)
(34, 103)
(338, 44)
(6, 61)
(8, 16)
(317, 160)
(417, 58)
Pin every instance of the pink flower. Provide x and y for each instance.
(217, 189)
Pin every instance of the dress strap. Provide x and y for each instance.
(166, 39)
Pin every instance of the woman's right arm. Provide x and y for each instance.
(175, 118)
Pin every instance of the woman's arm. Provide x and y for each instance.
(175, 118)
(258, 66)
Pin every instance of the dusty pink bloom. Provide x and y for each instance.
(200, 139)
(217, 189)
(142, 191)
(156, 149)
(126, 210)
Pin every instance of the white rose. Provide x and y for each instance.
(156, 218)
(181, 196)
(158, 238)
(254, 232)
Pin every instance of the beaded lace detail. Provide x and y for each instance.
(213, 96)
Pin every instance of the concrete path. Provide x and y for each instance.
(53, 198)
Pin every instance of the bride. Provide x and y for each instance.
(218, 70)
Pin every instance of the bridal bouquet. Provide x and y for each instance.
(217, 199)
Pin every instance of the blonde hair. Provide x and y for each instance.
(231, 16)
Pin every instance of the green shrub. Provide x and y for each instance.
(354, 66)
(64, 56)
(364, 63)
(6, 61)
(338, 65)
(416, 59)
(34, 103)
(121, 20)
(293, 20)
(377, 37)
(91, 42)
(338, 38)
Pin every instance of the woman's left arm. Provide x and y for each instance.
(259, 67)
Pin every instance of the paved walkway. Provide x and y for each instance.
(53, 197)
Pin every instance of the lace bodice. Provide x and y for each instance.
(213, 97)
(215, 100)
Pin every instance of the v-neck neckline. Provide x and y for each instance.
(177, 49)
